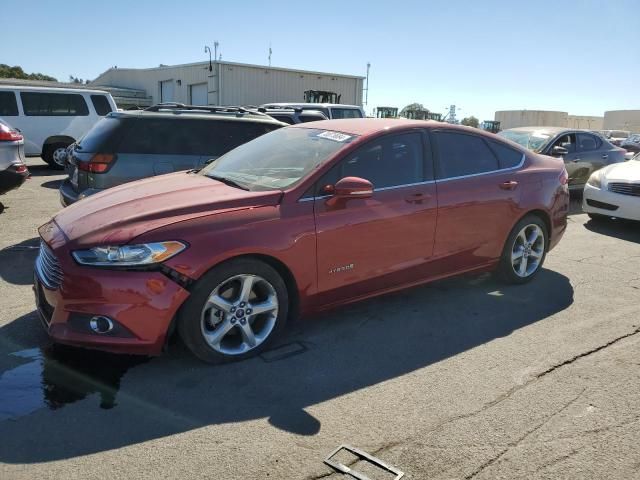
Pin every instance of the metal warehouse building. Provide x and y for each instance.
(546, 118)
(622, 120)
(229, 83)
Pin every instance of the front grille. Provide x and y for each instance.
(48, 268)
(625, 188)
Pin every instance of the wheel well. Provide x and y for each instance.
(58, 139)
(544, 216)
(287, 276)
(278, 266)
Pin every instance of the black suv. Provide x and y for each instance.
(127, 146)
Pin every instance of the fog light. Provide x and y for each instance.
(100, 324)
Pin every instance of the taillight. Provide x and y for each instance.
(99, 163)
(9, 135)
(564, 177)
(21, 168)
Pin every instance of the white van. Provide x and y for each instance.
(52, 118)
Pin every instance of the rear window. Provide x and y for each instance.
(8, 104)
(283, 118)
(53, 104)
(309, 118)
(105, 136)
(101, 104)
(173, 136)
(507, 156)
(346, 113)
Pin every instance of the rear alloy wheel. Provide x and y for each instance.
(55, 155)
(234, 312)
(524, 251)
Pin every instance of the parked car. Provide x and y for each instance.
(291, 116)
(583, 151)
(301, 219)
(51, 119)
(131, 145)
(332, 111)
(616, 137)
(632, 143)
(614, 191)
(13, 171)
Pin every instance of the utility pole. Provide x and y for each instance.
(366, 98)
(215, 49)
(270, 52)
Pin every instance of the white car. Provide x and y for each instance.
(614, 191)
(51, 118)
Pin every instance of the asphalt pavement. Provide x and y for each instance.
(463, 378)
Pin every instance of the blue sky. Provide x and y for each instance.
(577, 56)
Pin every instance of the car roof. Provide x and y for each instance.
(369, 126)
(29, 88)
(549, 130)
(310, 105)
(200, 115)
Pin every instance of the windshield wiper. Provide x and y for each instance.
(228, 181)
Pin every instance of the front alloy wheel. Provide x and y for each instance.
(234, 311)
(240, 314)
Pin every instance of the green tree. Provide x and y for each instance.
(410, 107)
(470, 121)
(16, 72)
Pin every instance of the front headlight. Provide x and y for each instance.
(128, 255)
(595, 180)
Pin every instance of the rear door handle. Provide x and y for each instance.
(605, 156)
(575, 160)
(417, 197)
(510, 185)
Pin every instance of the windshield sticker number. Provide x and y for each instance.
(335, 136)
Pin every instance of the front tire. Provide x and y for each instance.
(234, 312)
(55, 155)
(524, 251)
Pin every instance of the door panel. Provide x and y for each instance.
(477, 201)
(364, 245)
(375, 243)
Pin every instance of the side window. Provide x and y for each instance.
(225, 136)
(567, 141)
(101, 104)
(309, 118)
(283, 118)
(8, 104)
(507, 156)
(345, 113)
(388, 162)
(462, 154)
(53, 104)
(587, 142)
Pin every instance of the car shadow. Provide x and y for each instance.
(43, 170)
(16, 262)
(53, 184)
(615, 227)
(342, 352)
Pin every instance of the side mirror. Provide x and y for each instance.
(559, 151)
(353, 187)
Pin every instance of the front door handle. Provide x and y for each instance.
(576, 160)
(510, 185)
(605, 156)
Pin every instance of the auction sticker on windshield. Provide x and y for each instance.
(335, 136)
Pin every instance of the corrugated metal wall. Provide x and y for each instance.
(240, 84)
(622, 120)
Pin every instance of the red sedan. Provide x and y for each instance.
(302, 219)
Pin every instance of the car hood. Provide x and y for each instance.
(623, 172)
(120, 214)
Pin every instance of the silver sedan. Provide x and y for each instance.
(13, 170)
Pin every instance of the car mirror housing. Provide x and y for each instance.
(353, 187)
(559, 151)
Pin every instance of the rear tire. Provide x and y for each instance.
(54, 155)
(524, 251)
(219, 323)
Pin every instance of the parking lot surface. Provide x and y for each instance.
(462, 378)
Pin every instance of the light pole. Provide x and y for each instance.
(207, 49)
(366, 98)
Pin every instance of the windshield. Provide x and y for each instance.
(278, 159)
(534, 140)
